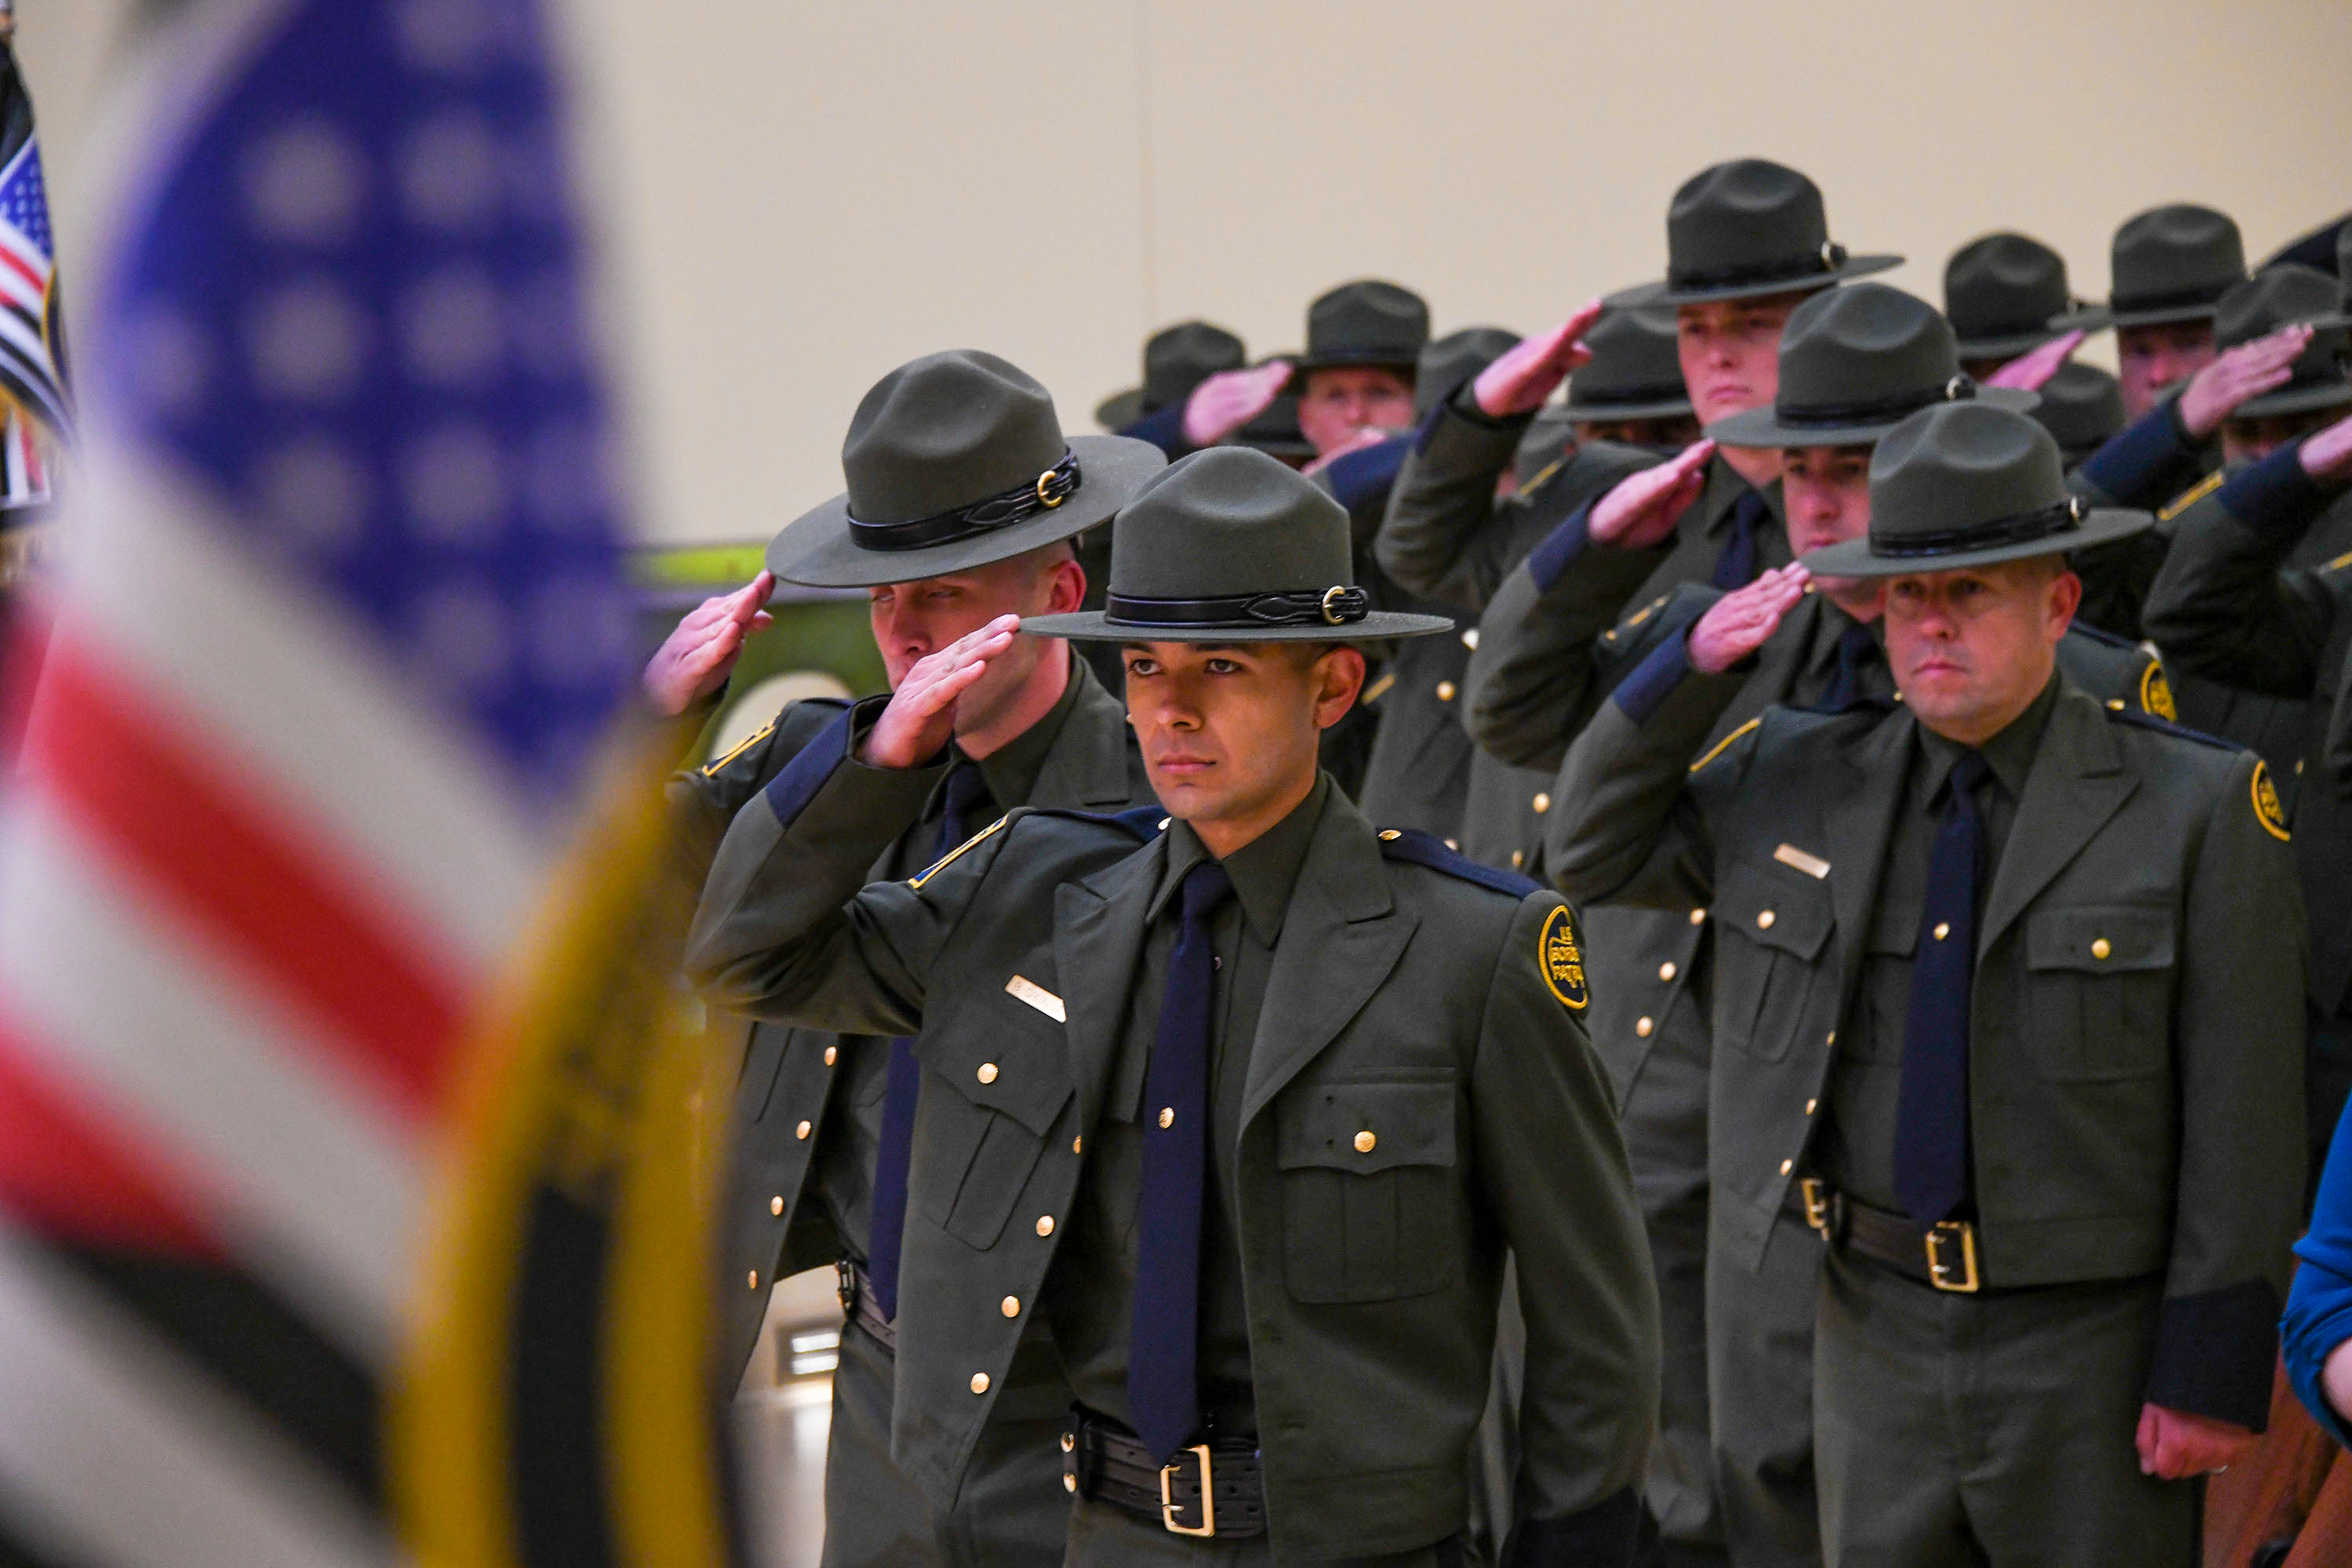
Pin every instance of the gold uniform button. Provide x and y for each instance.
(1786, 1166)
(987, 1073)
(1452, 845)
(1668, 970)
(1078, 1145)
(803, 1131)
(980, 1382)
(1811, 1106)
(1045, 1225)
(1445, 691)
(1364, 1142)
(832, 1055)
(1543, 802)
(753, 1282)
(1470, 637)
(1764, 918)
(1943, 929)
(1069, 1443)
(1390, 833)
(1163, 825)
(1698, 917)
(1010, 1306)
(2099, 948)
(1069, 1481)
(2298, 767)
(2116, 703)
(1518, 859)
(1643, 1026)
(776, 1205)
(1167, 1116)
(1833, 1039)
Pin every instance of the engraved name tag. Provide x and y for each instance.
(1812, 866)
(1044, 1001)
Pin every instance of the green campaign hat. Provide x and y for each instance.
(956, 460)
(1635, 372)
(1854, 362)
(2000, 293)
(1446, 362)
(1367, 322)
(1966, 484)
(2280, 297)
(2169, 264)
(1747, 228)
(1229, 545)
(1175, 359)
(2082, 406)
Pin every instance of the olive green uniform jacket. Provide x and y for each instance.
(1448, 539)
(2238, 602)
(2136, 1044)
(1421, 1099)
(770, 1223)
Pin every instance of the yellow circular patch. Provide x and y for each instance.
(1560, 957)
(2267, 810)
(2155, 693)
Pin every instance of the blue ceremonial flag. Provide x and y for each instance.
(342, 1107)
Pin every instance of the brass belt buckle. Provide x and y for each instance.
(1940, 1271)
(1816, 1194)
(1168, 1505)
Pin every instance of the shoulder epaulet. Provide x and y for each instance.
(1419, 848)
(832, 704)
(1145, 821)
(2191, 496)
(2100, 634)
(1545, 474)
(1861, 701)
(2123, 713)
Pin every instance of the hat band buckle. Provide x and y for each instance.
(1878, 411)
(2023, 529)
(1786, 268)
(1337, 606)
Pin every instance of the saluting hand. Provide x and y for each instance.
(1737, 624)
(920, 718)
(1231, 399)
(2327, 454)
(1365, 435)
(1642, 509)
(2032, 371)
(2246, 372)
(694, 661)
(2175, 1445)
(1526, 374)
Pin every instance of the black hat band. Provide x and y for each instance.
(1786, 270)
(1335, 606)
(1600, 403)
(1046, 492)
(1879, 411)
(2170, 298)
(2022, 528)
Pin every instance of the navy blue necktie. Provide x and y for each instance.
(1856, 650)
(1931, 1106)
(1163, 1395)
(965, 790)
(1735, 567)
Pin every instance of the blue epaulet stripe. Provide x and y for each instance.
(2147, 720)
(1421, 848)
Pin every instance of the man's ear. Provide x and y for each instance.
(1066, 588)
(1339, 677)
(2066, 598)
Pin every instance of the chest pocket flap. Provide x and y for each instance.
(1365, 1127)
(2100, 939)
(1783, 909)
(1007, 1057)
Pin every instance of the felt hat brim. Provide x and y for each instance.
(1663, 292)
(1095, 626)
(2293, 399)
(817, 551)
(2009, 345)
(1853, 557)
(1407, 365)
(1120, 409)
(1761, 426)
(1662, 408)
(2099, 318)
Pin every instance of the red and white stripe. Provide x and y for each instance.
(250, 890)
(24, 272)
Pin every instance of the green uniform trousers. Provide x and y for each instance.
(1013, 1512)
(1102, 1536)
(1961, 1431)
(1759, 1332)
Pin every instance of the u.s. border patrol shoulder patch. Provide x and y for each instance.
(2155, 693)
(2267, 810)
(1561, 956)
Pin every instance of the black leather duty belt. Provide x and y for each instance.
(1210, 1489)
(856, 1289)
(1945, 1257)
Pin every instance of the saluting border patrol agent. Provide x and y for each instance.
(1249, 1101)
(963, 491)
(1854, 362)
(2009, 991)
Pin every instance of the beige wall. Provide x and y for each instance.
(801, 195)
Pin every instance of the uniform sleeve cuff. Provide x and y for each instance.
(1653, 681)
(1164, 430)
(2215, 1353)
(790, 792)
(1358, 477)
(2275, 495)
(2147, 463)
(1548, 561)
(1604, 1533)
(1464, 402)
